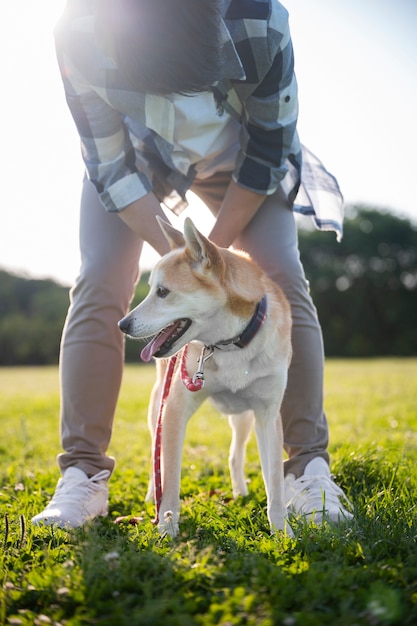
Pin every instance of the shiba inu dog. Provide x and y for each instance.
(230, 326)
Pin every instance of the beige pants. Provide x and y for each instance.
(92, 348)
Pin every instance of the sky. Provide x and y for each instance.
(356, 65)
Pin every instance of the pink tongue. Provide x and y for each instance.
(154, 345)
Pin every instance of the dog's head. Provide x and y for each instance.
(191, 294)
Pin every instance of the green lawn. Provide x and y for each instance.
(224, 568)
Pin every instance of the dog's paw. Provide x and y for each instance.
(283, 528)
(169, 525)
(240, 490)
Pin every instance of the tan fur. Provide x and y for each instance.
(218, 290)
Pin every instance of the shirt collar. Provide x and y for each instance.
(232, 67)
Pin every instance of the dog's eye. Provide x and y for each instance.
(162, 292)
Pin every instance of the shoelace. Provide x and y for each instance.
(320, 488)
(74, 491)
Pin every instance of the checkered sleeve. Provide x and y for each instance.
(269, 137)
(106, 148)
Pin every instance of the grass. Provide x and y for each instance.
(224, 568)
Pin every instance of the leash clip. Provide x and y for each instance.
(198, 377)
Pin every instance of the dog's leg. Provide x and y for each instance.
(179, 407)
(153, 412)
(269, 435)
(241, 426)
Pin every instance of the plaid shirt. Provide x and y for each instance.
(127, 137)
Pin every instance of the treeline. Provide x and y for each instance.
(365, 290)
(31, 319)
(32, 315)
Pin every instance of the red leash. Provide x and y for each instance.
(197, 381)
(193, 384)
(157, 479)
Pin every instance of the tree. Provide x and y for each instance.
(365, 288)
(32, 313)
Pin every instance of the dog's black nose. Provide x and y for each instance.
(124, 325)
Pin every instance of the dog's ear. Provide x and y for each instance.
(173, 236)
(200, 249)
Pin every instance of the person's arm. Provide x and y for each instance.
(107, 149)
(268, 138)
(140, 216)
(238, 208)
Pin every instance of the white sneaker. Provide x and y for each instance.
(77, 499)
(316, 496)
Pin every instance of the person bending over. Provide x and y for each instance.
(170, 96)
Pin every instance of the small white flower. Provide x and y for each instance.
(377, 609)
(111, 556)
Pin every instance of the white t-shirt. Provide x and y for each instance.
(202, 136)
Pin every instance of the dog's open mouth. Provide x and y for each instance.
(163, 341)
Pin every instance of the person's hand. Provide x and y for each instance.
(238, 208)
(140, 216)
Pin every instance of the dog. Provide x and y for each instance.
(235, 322)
